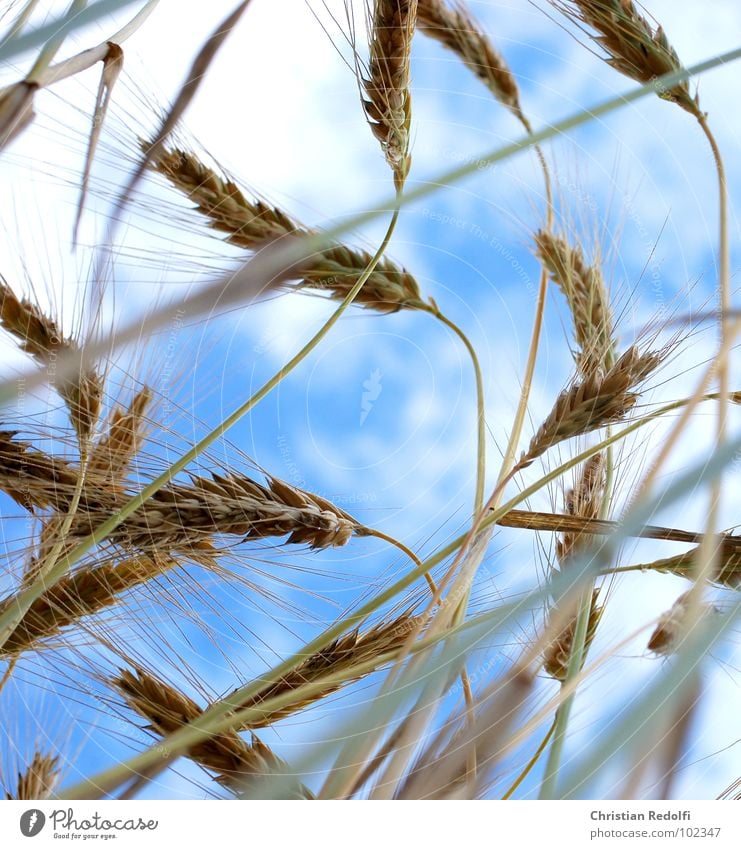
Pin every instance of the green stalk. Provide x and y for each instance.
(531, 763)
(480, 403)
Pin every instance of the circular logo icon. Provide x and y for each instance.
(32, 822)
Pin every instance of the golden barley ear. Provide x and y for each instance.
(234, 763)
(33, 479)
(82, 593)
(38, 780)
(348, 651)
(253, 224)
(586, 294)
(557, 654)
(592, 402)
(453, 26)
(632, 45)
(388, 101)
(113, 453)
(40, 336)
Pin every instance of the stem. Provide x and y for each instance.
(724, 277)
(579, 648)
(20, 21)
(50, 49)
(478, 502)
(372, 532)
(531, 763)
(16, 611)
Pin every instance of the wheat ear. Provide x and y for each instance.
(38, 780)
(179, 516)
(251, 224)
(455, 28)
(671, 628)
(584, 501)
(727, 572)
(387, 100)
(40, 336)
(83, 593)
(353, 649)
(592, 402)
(33, 479)
(632, 45)
(557, 654)
(586, 295)
(111, 455)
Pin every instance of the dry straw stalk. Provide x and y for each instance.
(235, 763)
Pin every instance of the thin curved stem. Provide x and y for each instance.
(480, 403)
(372, 532)
(531, 763)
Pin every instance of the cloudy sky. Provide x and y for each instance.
(382, 417)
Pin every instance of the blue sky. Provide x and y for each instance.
(281, 112)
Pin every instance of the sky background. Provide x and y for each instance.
(279, 109)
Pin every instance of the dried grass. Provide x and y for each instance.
(455, 27)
